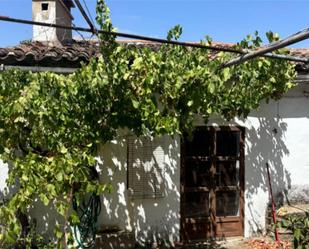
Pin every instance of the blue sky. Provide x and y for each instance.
(223, 20)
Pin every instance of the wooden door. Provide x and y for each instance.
(212, 183)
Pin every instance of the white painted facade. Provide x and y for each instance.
(276, 133)
(148, 218)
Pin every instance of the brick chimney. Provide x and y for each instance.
(52, 11)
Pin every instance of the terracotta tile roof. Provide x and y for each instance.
(301, 52)
(71, 55)
(37, 53)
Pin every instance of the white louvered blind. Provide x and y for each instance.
(146, 167)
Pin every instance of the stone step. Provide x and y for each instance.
(115, 240)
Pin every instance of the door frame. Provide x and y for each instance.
(216, 223)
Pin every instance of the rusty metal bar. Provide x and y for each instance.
(84, 14)
(302, 35)
(158, 40)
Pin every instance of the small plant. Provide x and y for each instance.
(26, 42)
(299, 226)
(34, 241)
(26, 238)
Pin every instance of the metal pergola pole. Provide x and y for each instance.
(158, 40)
(297, 37)
(84, 14)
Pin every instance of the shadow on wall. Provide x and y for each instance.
(152, 219)
(264, 143)
(45, 219)
(276, 134)
(41, 217)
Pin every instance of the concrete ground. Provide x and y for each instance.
(233, 243)
(126, 241)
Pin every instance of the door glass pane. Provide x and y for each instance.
(200, 144)
(196, 204)
(227, 173)
(197, 173)
(227, 203)
(228, 143)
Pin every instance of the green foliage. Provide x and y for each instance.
(299, 226)
(32, 240)
(51, 125)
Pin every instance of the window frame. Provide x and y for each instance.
(157, 169)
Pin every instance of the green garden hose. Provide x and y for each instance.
(88, 212)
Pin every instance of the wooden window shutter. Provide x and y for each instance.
(146, 167)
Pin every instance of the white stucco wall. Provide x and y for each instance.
(276, 133)
(3, 176)
(41, 33)
(57, 13)
(150, 218)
